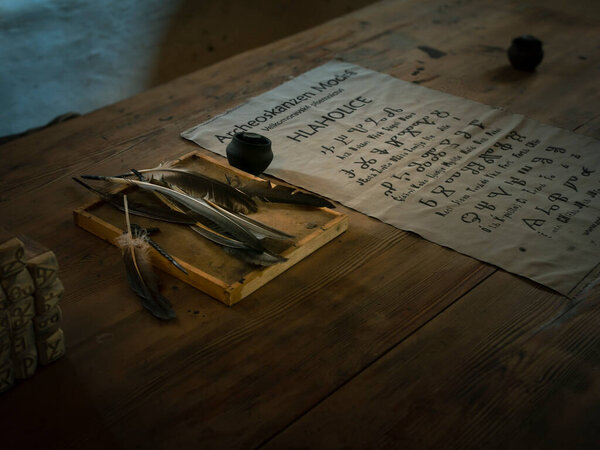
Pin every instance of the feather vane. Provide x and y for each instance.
(143, 209)
(259, 229)
(197, 206)
(204, 227)
(199, 185)
(140, 276)
(278, 193)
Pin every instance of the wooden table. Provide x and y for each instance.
(380, 339)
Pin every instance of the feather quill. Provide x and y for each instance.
(209, 228)
(278, 193)
(231, 246)
(140, 276)
(197, 206)
(260, 230)
(199, 185)
(264, 258)
(148, 210)
(206, 228)
(170, 213)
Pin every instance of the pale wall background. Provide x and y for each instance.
(58, 56)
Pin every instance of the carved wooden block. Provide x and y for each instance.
(7, 376)
(29, 313)
(4, 346)
(25, 364)
(23, 339)
(43, 268)
(48, 323)
(47, 297)
(12, 253)
(52, 347)
(18, 286)
(21, 312)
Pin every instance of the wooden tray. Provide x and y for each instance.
(209, 268)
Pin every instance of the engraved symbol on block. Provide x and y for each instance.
(47, 297)
(7, 377)
(21, 312)
(23, 339)
(52, 347)
(11, 257)
(43, 268)
(26, 364)
(19, 343)
(43, 274)
(49, 322)
(18, 286)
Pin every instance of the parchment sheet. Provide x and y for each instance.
(499, 187)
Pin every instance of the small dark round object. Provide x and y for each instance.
(525, 53)
(250, 152)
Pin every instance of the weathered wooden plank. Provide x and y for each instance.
(235, 378)
(492, 371)
(275, 360)
(304, 340)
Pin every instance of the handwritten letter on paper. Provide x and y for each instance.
(496, 186)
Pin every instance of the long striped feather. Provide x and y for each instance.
(197, 206)
(140, 276)
(201, 186)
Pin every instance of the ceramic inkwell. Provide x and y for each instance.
(250, 152)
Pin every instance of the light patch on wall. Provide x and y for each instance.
(60, 56)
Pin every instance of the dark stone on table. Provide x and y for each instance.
(525, 53)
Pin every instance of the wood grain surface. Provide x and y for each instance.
(378, 339)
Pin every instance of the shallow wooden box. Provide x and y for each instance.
(209, 268)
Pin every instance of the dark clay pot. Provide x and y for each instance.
(250, 152)
(525, 53)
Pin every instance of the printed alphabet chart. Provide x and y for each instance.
(496, 186)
